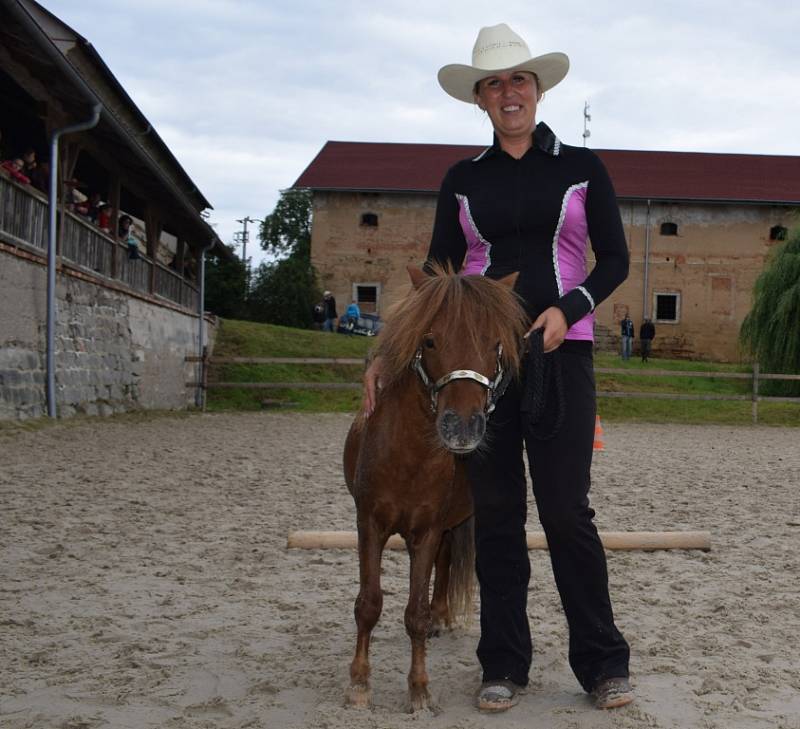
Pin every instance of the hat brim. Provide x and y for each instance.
(459, 80)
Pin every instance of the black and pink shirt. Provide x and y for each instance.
(536, 215)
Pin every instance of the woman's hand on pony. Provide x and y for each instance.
(372, 384)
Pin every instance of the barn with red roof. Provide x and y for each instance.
(699, 227)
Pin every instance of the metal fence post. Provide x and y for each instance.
(755, 392)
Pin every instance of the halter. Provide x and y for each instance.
(494, 387)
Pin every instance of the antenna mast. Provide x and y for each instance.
(587, 117)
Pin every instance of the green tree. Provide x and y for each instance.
(284, 291)
(289, 225)
(226, 286)
(770, 332)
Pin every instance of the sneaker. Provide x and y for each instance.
(611, 693)
(499, 695)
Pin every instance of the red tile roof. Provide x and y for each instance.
(367, 166)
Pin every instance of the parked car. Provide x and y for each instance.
(367, 325)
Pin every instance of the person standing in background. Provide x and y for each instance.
(329, 325)
(626, 326)
(647, 333)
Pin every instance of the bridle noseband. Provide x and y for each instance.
(495, 387)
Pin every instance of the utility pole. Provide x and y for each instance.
(586, 119)
(243, 237)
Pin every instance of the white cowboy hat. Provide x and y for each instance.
(499, 49)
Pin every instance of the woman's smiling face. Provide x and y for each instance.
(510, 100)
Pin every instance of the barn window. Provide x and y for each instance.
(668, 307)
(370, 220)
(367, 296)
(778, 232)
(669, 229)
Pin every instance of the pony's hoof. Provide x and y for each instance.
(420, 700)
(358, 696)
(437, 627)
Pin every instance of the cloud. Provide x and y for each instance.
(246, 92)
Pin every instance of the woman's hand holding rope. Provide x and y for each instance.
(555, 327)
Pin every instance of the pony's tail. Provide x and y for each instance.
(461, 586)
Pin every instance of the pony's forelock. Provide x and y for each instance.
(475, 306)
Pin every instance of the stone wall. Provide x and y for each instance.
(114, 352)
(346, 253)
(711, 264)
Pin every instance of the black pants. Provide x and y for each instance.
(560, 470)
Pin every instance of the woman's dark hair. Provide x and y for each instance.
(122, 220)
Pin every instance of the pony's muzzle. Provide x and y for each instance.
(459, 434)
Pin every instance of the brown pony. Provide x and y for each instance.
(447, 352)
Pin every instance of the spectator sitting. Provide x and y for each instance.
(88, 206)
(104, 217)
(125, 234)
(29, 160)
(351, 316)
(15, 168)
(40, 178)
(93, 206)
(73, 197)
(353, 312)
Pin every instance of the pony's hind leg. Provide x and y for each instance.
(440, 611)
(422, 551)
(367, 611)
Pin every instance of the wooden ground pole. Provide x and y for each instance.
(611, 540)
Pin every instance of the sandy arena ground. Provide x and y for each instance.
(144, 582)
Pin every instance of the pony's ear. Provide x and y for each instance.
(417, 276)
(509, 280)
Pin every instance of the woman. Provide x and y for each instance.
(528, 203)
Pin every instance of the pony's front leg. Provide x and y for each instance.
(422, 551)
(367, 611)
(440, 610)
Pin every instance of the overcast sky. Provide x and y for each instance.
(246, 92)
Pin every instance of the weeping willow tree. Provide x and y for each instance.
(771, 331)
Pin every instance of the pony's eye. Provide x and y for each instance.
(429, 343)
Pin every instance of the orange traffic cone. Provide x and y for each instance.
(599, 441)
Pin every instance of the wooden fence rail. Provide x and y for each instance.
(279, 360)
(755, 377)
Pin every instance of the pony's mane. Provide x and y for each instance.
(474, 305)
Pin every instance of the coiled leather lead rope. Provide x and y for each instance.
(542, 404)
